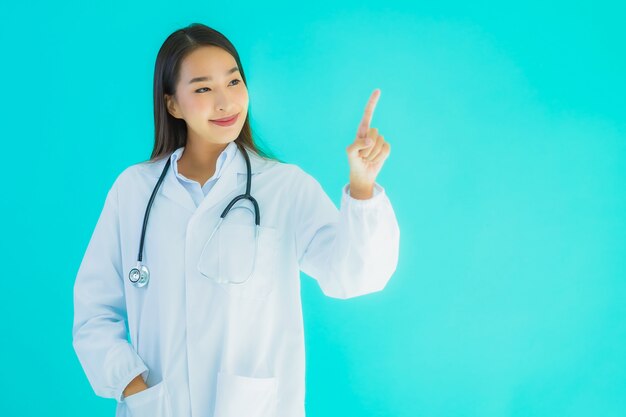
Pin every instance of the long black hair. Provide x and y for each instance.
(170, 133)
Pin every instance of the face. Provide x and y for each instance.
(208, 90)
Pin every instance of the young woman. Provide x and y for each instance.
(199, 251)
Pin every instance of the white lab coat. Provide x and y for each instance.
(207, 349)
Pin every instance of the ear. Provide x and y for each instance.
(172, 106)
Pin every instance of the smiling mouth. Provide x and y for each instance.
(226, 122)
(225, 119)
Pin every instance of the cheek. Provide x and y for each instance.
(197, 106)
(242, 97)
(187, 103)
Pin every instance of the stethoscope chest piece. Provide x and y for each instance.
(139, 276)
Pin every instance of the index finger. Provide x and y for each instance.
(369, 112)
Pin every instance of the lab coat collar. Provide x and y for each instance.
(230, 183)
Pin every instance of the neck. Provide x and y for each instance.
(199, 158)
(200, 155)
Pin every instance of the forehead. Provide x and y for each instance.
(206, 61)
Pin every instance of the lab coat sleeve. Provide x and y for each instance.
(99, 330)
(351, 251)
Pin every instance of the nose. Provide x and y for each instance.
(221, 100)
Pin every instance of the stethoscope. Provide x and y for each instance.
(140, 274)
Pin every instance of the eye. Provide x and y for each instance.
(207, 88)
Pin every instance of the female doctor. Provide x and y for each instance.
(187, 301)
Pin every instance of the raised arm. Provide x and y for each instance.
(353, 250)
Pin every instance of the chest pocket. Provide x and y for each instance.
(231, 254)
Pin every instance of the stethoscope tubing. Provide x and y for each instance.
(140, 268)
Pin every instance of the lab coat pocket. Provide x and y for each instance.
(239, 396)
(263, 279)
(151, 402)
(231, 253)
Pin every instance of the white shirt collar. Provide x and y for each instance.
(222, 160)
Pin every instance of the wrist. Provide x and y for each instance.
(135, 386)
(361, 191)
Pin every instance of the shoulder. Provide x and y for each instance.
(299, 181)
(145, 172)
(278, 167)
(288, 178)
(290, 172)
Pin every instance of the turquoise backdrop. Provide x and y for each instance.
(507, 173)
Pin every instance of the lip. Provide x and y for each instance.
(226, 121)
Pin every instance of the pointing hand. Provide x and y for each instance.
(367, 153)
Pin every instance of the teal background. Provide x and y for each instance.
(507, 170)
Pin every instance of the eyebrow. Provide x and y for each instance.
(198, 79)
